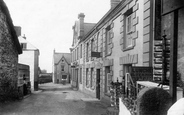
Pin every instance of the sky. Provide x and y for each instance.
(47, 24)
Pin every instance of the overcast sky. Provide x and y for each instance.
(47, 24)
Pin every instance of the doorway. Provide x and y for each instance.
(98, 84)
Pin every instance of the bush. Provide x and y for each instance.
(153, 101)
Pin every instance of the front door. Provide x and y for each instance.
(98, 84)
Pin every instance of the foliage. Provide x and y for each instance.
(153, 101)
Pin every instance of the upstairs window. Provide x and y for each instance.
(128, 29)
(87, 49)
(77, 53)
(23, 45)
(92, 45)
(107, 40)
(129, 24)
(98, 42)
(62, 68)
(81, 51)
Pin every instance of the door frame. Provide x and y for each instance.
(98, 84)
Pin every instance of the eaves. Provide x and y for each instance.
(110, 15)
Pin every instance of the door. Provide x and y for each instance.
(98, 84)
(77, 81)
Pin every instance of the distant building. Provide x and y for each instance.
(30, 56)
(9, 49)
(61, 67)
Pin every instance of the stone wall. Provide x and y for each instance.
(8, 55)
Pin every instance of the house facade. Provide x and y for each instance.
(30, 56)
(61, 67)
(122, 41)
(80, 29)
(9, 50)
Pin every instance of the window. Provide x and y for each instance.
(23, 45)
(92, 45)
(98, 42)
(129, 24)
(87, 78)
(87, 48)
(91, 80)
(128, 29)
(73, 55)
(77, 53)
(64, 77)
(62, 68)
(108, 79)
(81, 51)
(80, 80)
(107, 40)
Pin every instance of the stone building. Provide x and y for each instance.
(61, 67)
(80, 29)
(30, 56)
(121, 41)
(9, 49)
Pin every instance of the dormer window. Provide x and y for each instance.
(23, 45)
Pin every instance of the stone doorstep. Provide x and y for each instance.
(89, 99)
(26, 96)
(112, 111)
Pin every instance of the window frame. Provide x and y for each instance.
(62, 68)
(91, 78)
(80, 80)
(81, 51)
(87, 77)
(107, 83)
(107, 40)
(128, 29)
(87, 55)
(129, 26)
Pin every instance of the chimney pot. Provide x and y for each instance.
(81, 15)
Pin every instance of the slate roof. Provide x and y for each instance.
(29, 45)
(58, 56)
(88, 27)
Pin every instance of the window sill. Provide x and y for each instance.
(128, 48)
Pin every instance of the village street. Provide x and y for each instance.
(55, 99)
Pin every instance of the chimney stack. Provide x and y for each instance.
(17, 30)
(114, 3)
(24, 36)
(81, 24)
